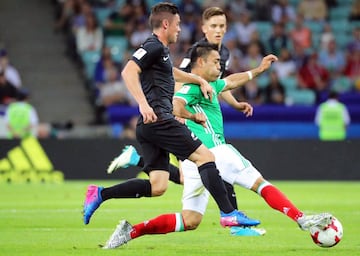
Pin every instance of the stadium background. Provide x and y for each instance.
(64, 91)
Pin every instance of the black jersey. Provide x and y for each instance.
(224, 58)
(156, 77)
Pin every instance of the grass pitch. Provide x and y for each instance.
(44, 219)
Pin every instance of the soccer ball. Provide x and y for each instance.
(328, 236)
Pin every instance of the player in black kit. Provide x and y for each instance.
(150, 78)
(214, 26)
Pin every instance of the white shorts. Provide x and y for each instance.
(233, 168)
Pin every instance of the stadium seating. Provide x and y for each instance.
(289, 82)
(102, 14)
(301, 97)
(118, 45)
(89, 59)
(339, 13)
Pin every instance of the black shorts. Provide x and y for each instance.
(159, 139)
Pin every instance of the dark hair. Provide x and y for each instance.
(161, 11)
(212, 11)
(201, 50)
(333, 95)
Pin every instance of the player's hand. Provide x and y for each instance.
(246, 108)
(267, 60)
(206, 89)
(147, 113)
(199, 118)
(180, 119)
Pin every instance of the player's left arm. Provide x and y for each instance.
(238, 79)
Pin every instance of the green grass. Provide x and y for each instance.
(46, 219)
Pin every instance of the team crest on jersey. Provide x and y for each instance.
(139, 53)
(185, 89)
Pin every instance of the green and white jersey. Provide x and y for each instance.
(213, 134)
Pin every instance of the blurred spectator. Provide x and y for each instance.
(236, 8)
(352, 66)
(285, 66)
(189, 27)
(250, 92)
(120, 22)
(21, 117)
(332, 59)
(332, 118)
(274, 92)
(262, 10)
(313, 76)
(283, 12)
(355, 11)
(189, 7)
(235, 56)
(104, 63)
(79, 19)
(252, 57)
(255, 39)
(90, 37)
(331, 3)
(218, 3)
(299, 55)
(300, 34)
(326, 37)
(8, 92)
(11, 73)
(243, 28)
(355, 40)
(111, 91)
(278, 39)
(141, 33)
(313, 10)
(66, 10)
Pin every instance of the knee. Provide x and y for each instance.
(159, 182)
(192, 225)
(158, 189)
(191, 219)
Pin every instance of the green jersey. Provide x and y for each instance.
(213, 134)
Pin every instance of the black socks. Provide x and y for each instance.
(133, 188)
(215, 185)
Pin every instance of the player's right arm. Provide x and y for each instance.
(130, 74)
(179, 110)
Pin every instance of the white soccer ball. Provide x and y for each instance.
(328, 236)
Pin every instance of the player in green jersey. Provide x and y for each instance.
(204, 118)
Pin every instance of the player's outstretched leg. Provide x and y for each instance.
(92, 202)
(120, 236)
(237, 218)
(128, 156)
(321, 220)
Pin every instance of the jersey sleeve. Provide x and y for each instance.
(219, 85)
(185, 63)
(190, 93)
(147, 54)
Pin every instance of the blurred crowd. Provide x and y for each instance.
(317, 42)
